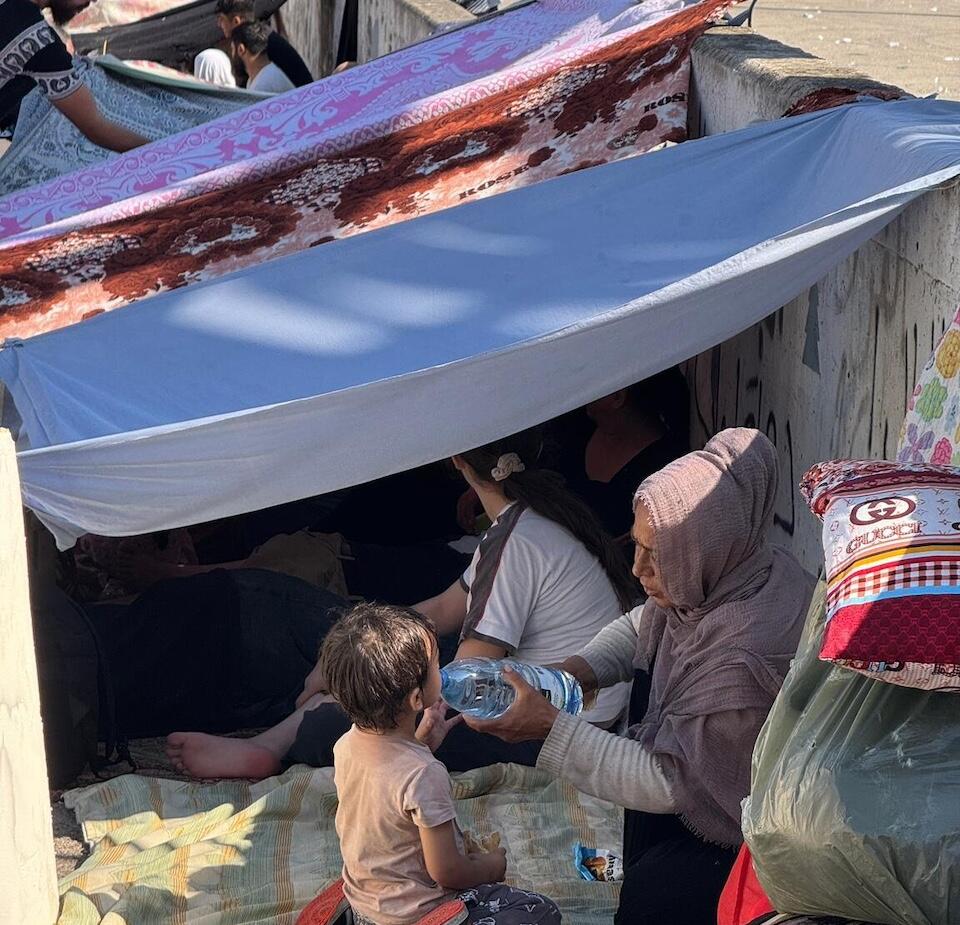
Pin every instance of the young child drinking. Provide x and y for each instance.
(403, 853)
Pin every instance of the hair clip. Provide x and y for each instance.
(506, 465)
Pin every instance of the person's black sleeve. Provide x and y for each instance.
(33, 52)
(47, 61)
(285, 56)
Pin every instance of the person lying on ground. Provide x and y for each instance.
(608, 447)
(403, 852)
(94, 569)
(250, 46)
(34, 53)
(713, 643)
(544, 580)
(233, 13)
(403, 558)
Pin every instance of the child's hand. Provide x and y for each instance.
(434, 725)
(497, 859)
(315, 683)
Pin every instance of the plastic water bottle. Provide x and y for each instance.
(477, 687)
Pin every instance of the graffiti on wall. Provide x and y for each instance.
(827, 376)
(739, 384)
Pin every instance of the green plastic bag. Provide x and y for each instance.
(855, 804)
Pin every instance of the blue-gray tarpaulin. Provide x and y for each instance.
(404, 345)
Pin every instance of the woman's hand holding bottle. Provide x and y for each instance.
(531, 716)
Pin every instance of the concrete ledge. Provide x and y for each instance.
(386, 25)
(740, 77)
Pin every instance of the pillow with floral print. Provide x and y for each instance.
(931, 428)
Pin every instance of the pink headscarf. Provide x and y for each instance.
(720, 654)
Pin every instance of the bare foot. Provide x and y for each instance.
(202, 755)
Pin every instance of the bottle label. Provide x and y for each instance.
(481, 689)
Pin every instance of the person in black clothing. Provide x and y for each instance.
(608, 447)
(612, 444)
(233, 13)
(33, 54)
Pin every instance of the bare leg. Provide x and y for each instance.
(202, 755)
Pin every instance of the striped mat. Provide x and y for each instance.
(167, 851)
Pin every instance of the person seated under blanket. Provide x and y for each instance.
(708, 652)
(403, 853)
(605, 449)
(214, 67)
(93, 571)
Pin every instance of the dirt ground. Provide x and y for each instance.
(68, 846)
(914, 44)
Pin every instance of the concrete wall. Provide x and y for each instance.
(386, 25)
(741, 77)
(313, 27)
(829, 374)
(26, 835)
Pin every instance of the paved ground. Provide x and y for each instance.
(68, 846)
(914, 44)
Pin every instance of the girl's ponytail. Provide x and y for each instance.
(512, 464)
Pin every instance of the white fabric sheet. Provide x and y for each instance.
(378, 353)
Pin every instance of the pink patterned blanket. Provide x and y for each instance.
(542, 90)
(105, 13)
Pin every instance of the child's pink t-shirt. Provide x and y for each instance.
(389, 787)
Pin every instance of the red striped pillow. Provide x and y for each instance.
(891, 542)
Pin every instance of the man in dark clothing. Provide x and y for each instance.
(31, 53)
(232, 13)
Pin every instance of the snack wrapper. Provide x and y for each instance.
(476, 844)
(597, 864)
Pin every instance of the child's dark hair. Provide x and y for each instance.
(253, 35)
(544, 492)
(242, 8)
(373, 657)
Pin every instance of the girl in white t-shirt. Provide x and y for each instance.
(545, 572)
(543, 582)
(544, 577)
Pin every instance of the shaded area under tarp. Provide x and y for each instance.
(162, 76)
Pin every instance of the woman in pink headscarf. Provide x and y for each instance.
(711, 645)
